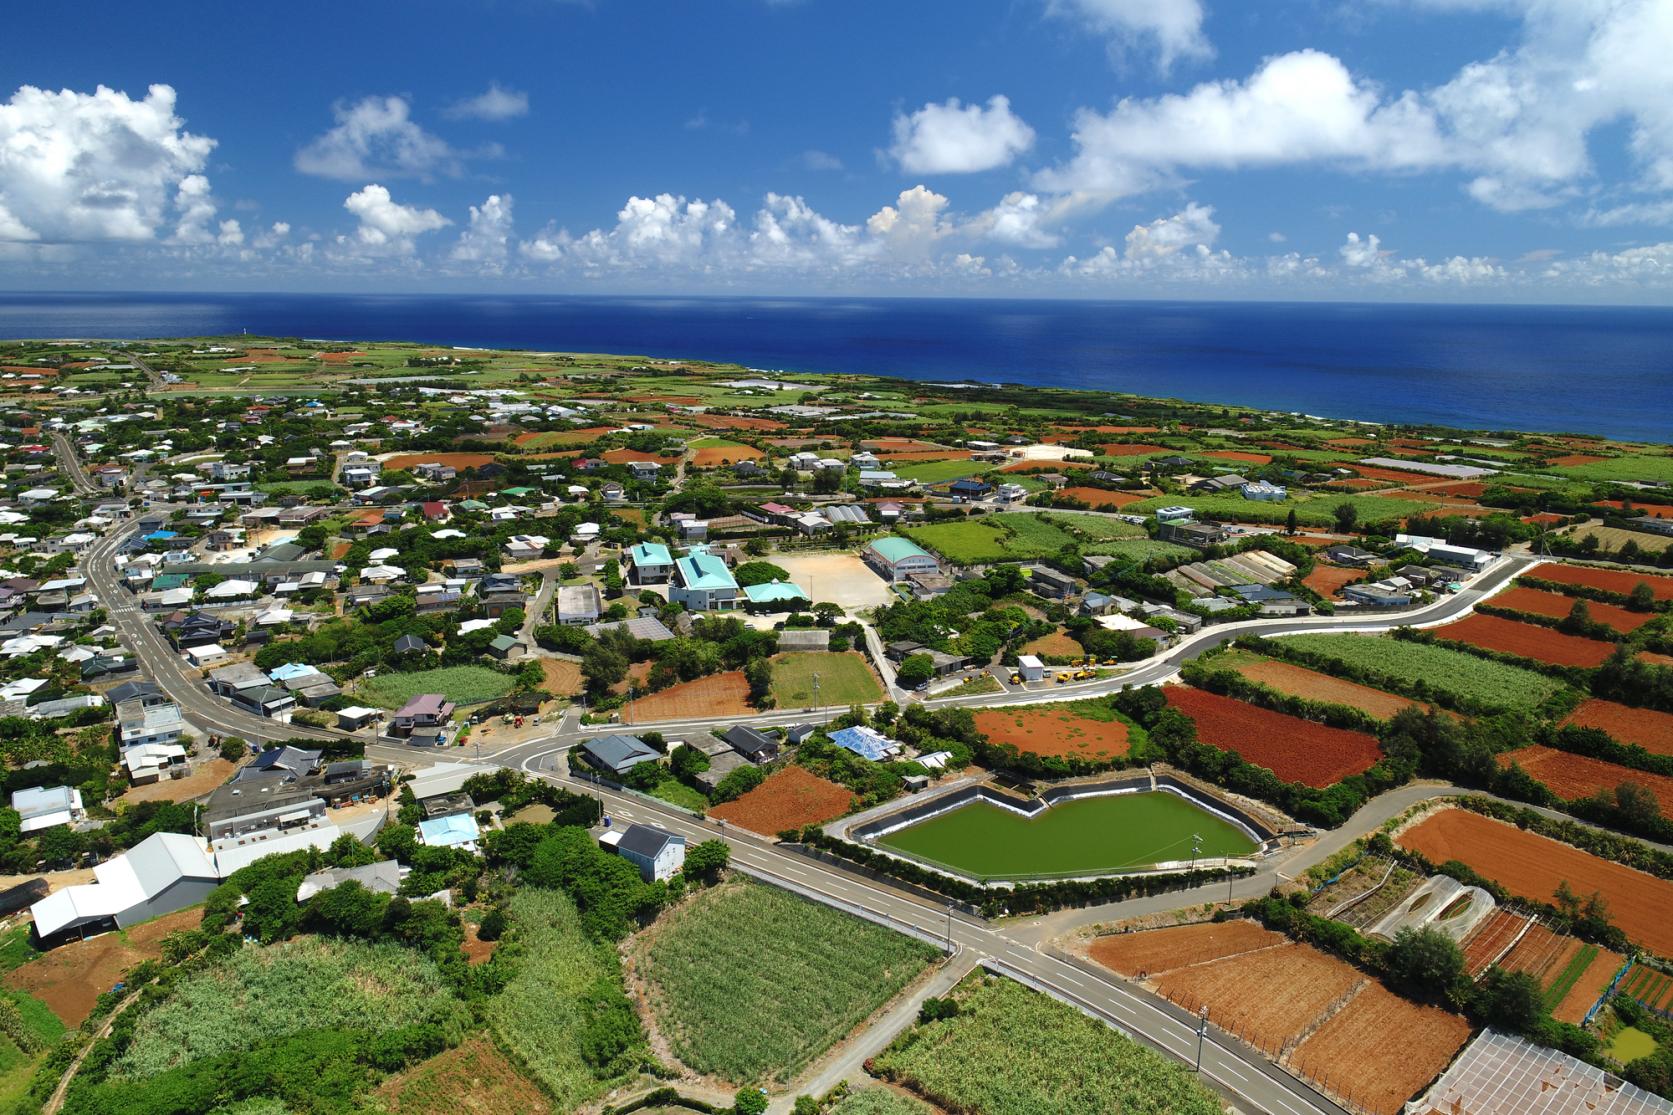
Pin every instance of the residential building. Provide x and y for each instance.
(166, 872)
(703, 583)
(615, 755)
(1198, 536)
(427, 710)
(868, 743)
(969, 489)
(151, 762)
(1263, 492)
(1050, 583)
(752, 743)
(579, 604)
(44, 807)
(649, 563)
(383, 877)
(657, 853)
(139, 724)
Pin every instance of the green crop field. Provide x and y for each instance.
(936, 472)
(1313, 509)
(844, 679)
(1657, 469)
(1141, 549)
(1464, 676)
(1085, 836)
(1012, 1051)
(460, 684)
(880, 1101)
(1018, 535)
(750, 983)
(308, 983)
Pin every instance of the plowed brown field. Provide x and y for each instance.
(716, 695)
(1131, 449)
(1380, 1049)
(71, 977)
(1240, 455)
(1540, 953)
(1653, 510)
(1610, 580)
(1577, 776)
(1554, 605)
(736, 422)
(1525, 640)
(1649, 729)
(716, 455)
(1327, 580)
(1161, 950)
(1295, 750)
(457, 460)
(1532, 866)
(1299, 681)
(1589, 987)
(1266, 998)
(1489, 940)
(1054, 732)
(791, 797)
(1103, 497)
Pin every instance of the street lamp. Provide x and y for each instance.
(1202, 1030)
(816, 691)
(1196, 849)
(949, 929)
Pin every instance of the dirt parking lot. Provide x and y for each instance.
(841, 578)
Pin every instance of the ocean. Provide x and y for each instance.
(1598, 370)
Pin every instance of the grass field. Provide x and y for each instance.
(675, 792)
(1613, 538)
(1084, 836)
(1018, 536)
(1444, 671)
(1012, 1051)
(750, 983)
(307, 983)
(1313, 510)
(845, 678)
(881, 1101)
(1657, 468)
(1140, 549)
(460, 684)
(937, 472)
(561, 980)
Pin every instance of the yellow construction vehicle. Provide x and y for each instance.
(1061, 678)
(1016, 679)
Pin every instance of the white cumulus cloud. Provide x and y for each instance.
(386, 226)
(1174, 26)
(94, 166)
(1192, 226)
(486, 239)
(376, 137)
(496, 103)
(954, 138)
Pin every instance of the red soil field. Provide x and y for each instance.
(1102, 497)
(1111, 429)
(1557, 606)
(1054, 732)
(1131, 449)
(1466, 489)
(562, 437)
(1380, 1049)
(791, 797)
(1299, 681)
(336, 357)
(903, 445)
(1057, 643)
(1240, 455)
(736, 422)
(716, 695)
(895, 457)
(1161, 950)
(1489, 940)
(1532, 866)
(251, 356)
(1654, 659)
(1295, 750)
(1349, 442)
(1577, 776)
(1525, 640)
(1586, 990)
(1541, 953)
(1327, 580)
(1544, 518)
(715, 456)
(1399, 476)
(1267, 998)
(1357, 484)
(457, 460)
(1622, 581)
(1654, 511)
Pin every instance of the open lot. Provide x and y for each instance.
(205, 776)
(1295, 750)
(841, 578)
(461, 684)
(791, 797)
(1525, 640)
(1327, 580)
(1647, 728)
(1162, 950)
(71, 977)
(1065, 731)
(1622, 581)
(1533, 866)
(845, 678)
(750, 983)
(1571, 776)
(725, 694)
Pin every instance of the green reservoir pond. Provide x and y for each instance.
(1081, 836)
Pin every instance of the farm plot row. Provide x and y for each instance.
(1311, 685)
(1622, 581)
(1301, 1006)
(1650, 986)
(1489, 939)
(1526, 640)
(1533, 867)
(1649, 729)
(1462, 677)
(1572, 777)
(1554, 605)
(1295, 750)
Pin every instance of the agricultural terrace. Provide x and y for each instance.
(1554, 605)
(1088, 730)
(1080, 836)
(750, 983)
(1609, 580)
(845, 678)
(1534, 866)
(1310, 685)
(1012, 1051)
(464, 685)
(1649, 986)
(1571, 974)
(1017, 536)
(1476, 682)
(563, 984)
(472, 1078)
(1571, 776)
(1525, 640)
(791, 797)
(1294, 749)
(308, 983)
(1647, 728)
(1272, 992)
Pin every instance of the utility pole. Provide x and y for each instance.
(949, 929)
(816, 691)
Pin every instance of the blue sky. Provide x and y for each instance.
(1479, 150)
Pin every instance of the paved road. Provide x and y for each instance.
(67, 460)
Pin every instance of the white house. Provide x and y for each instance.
(657, 852)
(44, 807)
(167, 871)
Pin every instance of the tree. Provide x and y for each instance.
(60, 844)
(1509, 1000)
(750, 1101)
(1346, 515)
(687, 763)
(759, 573)
(1290, 522)
(1642, 598)
(915, 670)
(1637, 807)
(1579, 618)
(707, 860)
(1425, 960)
(603, 666)
(233, 748)
(759, 673)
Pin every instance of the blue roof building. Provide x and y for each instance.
(649, 563)
(703, 583)
(865, 742)
(775, 592)
(457, 830)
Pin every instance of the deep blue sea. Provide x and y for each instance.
(1602, 370)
